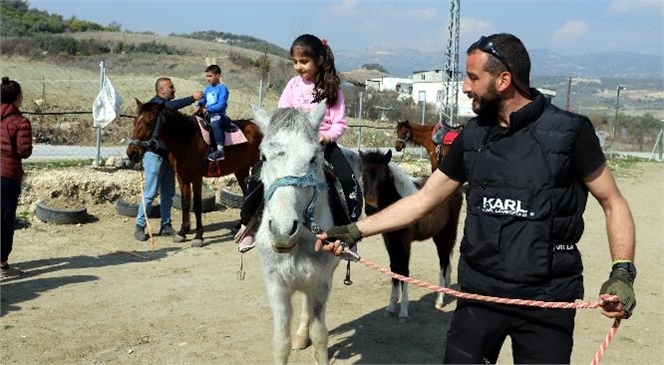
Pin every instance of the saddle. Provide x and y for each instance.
(444, 134)
(233, 135)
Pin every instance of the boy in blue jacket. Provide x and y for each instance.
(214, 104)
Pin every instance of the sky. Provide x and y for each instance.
(563, 26)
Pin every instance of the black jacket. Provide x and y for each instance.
(525, 206)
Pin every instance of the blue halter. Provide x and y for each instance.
(300, 181)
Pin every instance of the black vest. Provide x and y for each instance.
(525, 206)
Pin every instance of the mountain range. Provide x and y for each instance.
(403, 62)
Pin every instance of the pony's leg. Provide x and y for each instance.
(317, 299)
(391, 309)
(282, 311)
(443, 248)
(445, 274)
(185, 199)
(405, 301)
(198, 212)
(301, 339)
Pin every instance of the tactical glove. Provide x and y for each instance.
(348, 234)
(620, 284)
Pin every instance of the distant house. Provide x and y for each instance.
(398, 84)
(428, 86)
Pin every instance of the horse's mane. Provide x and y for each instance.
(179, 124)
(291, 119)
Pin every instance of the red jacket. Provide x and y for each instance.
(15, 142)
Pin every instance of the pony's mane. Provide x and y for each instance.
(290, 119)
(403, 182)
(184, 126)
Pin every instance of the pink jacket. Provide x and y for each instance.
(298, 93)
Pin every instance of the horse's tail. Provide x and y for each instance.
(454, 203)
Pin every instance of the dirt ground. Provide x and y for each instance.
(91, 294)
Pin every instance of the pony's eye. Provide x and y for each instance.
(263, 158)
(313, 160)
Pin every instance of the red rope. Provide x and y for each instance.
(531, 303)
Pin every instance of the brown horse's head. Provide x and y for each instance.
(403, 131)
(142, 135)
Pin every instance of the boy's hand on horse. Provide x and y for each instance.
(337, 238)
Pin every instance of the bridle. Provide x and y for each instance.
(308, 180)
(151, 144)
(406, 138)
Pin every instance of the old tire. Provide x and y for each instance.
(61, 216)
(229, 199)
(128, 209)
(207, 200)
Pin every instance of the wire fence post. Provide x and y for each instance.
(359, 134)
(102, 72)
(260, 94)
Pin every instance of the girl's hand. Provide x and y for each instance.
(323, 139)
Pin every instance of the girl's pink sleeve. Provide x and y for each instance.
(286, 99)
(338, 124)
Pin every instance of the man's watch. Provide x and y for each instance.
(627, 266)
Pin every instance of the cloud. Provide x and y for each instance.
(472, 29)
(344, 7)
(568, 34)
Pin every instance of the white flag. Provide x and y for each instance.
(106, 107)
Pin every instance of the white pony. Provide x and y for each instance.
(296, 206)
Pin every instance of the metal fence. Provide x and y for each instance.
(58, 99)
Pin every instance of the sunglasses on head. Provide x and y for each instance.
(487, 46)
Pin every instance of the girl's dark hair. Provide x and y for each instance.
(10, 92)
(327, 81)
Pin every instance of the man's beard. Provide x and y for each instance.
(487, 106)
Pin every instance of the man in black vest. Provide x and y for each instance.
(529, 167)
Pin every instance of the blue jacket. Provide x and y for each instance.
(215, 99)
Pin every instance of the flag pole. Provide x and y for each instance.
(102, 72)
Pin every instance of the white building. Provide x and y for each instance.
(428, 86)
(398, 84)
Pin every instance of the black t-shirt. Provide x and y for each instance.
(586, 157)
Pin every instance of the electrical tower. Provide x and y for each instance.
(449, 107)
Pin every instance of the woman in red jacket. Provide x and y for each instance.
(15, 145)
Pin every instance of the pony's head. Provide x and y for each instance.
(295, 193)
(375, 175)
(403, 135)
(143, 134)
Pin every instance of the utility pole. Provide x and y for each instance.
(569, 92)
(448, 110)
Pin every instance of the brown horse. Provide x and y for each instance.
(187, 151)
(384, 184)
(421, 134)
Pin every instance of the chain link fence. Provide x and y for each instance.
(58, 99)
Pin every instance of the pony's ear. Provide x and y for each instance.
(317, 114)
(138, 103)
(387, 157)
(261, 117)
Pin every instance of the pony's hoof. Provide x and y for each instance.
(178, 238)
(388, 314)
(197, 242)
(403, 319)
(439, 306)
(300, 342)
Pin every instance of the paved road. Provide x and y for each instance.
(42, 152)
